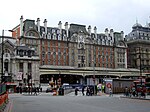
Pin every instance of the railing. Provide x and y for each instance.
(3, 101)
(3, 97)
(2, 89)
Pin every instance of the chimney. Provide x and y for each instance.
(95, 31)
(38, 24)
(66, 28)
(45, 25)
(21, 26)
(89, 29)
(106, 32)
(112, 34)
(122, 35)
(60, 25)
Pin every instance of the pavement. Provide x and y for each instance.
(138, 98)
(9, 105)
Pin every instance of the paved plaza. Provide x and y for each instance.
(45, 102)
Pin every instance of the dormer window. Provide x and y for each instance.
(29, 53)
(21, 53)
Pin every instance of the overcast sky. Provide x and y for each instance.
(119, 15)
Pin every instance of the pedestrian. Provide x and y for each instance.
(110, 92)
(88, 91)
(20, 89)
(143, 93)
(83, 90)
(37, 88)
(103, 88)
(35, 91)
(40, 89)
(76, 91)
(126, 91)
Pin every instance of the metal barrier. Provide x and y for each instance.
(2, 89)
(3, 101)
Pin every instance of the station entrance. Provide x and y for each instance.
(73, 79)
(65, 78)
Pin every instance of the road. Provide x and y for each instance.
(71, 103)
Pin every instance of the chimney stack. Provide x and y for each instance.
(38, 24)
(122, 35)
(45, 25)
(112, 34)
(106, 32)
(89, 29)
(66, 28)
(21, 26)
(95, 31)
(60, 25)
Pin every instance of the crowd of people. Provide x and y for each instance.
(90, 90)
(129, 92)
(29, 90)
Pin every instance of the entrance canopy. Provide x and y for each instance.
(87, 71)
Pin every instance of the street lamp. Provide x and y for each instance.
(140, 65)
(2, 50)
(94, 66)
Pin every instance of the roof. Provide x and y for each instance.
(22, 48)
(78, 28)
(137, 25)
(10, 39)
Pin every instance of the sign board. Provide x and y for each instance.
(108, 84)
(19, 76)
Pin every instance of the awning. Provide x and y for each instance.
(11, 83)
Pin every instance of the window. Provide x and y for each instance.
(64, 37)
(49, 36)
(54, 43)
(78, 65)
(49, 62)
(31, 34)
(20, 67)
(48, 43)
(59, 57)
(21, 53)
(59, 45)
(49, 55)
(43, 54)
(43, 62)
(29, 54)
(54, 62)
(54, 36)
(29, 68)
(49, 50)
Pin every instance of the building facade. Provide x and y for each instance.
(75, 52)
(138, 41)
(20, 63)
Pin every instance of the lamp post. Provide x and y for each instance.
(82, 60)
(94, 66)
(2, 50)
(140, 65)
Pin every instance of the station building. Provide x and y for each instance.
(74, 54)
